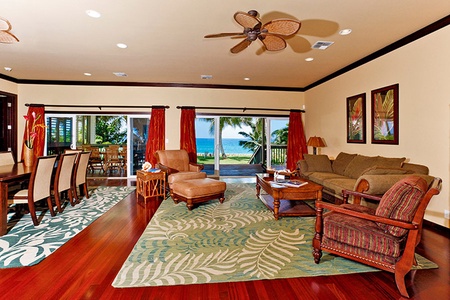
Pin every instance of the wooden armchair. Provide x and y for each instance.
(384, 238)
(175, 163)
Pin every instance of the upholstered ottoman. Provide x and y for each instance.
(198, 190)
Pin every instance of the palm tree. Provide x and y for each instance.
(280, 136)
(223, 122)
(254, 138)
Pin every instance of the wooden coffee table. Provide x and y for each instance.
(288, 201)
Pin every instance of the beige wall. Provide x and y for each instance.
(173, 97)
(422, 70)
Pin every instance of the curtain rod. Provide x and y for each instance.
(240, 108)
(99, 106)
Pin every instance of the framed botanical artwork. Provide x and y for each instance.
(356, 119)
(385, 115)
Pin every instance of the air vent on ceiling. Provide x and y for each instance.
(322, 45)
(120, 74)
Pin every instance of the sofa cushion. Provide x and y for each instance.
(341, 162)
(359, 164)
(415, 168)
(390, 162)
(400, 202)
(318, 163)
(321, 177)
(377, 170)
(339, 184)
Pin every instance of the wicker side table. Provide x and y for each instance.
(150, 185)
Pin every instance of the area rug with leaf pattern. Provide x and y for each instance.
(238, 240)
(27, 245)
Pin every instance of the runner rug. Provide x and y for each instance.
(238, 240)
(27, 245)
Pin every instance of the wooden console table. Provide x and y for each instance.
(150, 185)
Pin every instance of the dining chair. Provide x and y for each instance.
(38, 187)
(63, 178)
(80, 174)
(6, 158)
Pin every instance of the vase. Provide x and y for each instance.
(28, 156)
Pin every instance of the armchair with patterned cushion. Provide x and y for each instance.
(385, 237)
(175, 163)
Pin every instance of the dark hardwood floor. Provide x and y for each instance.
(85, 267)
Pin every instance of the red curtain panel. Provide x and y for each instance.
(187, 133)
(156, 134)
(296, 145)
(34, 133)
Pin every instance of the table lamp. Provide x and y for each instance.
(315, 142)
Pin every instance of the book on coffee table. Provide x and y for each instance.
(288, 183)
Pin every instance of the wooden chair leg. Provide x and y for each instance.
(400, 282)
(85, 189)
(50, 206)
(32, 210)
(70, 195)
(58, 201)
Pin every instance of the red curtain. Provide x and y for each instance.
(34, 133)
(296, 144)
(156, 134)
(187, 133)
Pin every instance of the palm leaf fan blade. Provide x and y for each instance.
(241, 46)
(246, 20)
(7, 37)
(225, 34)
(273, 42)
(282, 27)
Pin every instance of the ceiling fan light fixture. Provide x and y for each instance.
(93, 13)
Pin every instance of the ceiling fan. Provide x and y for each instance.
(270, 34)
(6, 36)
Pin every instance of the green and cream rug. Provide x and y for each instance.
(238, 240)
(27, 245)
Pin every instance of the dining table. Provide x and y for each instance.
(10, 174)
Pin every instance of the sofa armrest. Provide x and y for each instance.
(195, 167)
(379, 184)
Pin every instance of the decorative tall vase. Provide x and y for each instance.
(28, 156)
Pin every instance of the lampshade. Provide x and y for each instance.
(316, 141)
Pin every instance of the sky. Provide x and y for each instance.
(202, 129)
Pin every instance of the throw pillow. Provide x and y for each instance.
(318, 163)
(400, 202)
(341, 162)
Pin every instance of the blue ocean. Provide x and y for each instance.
(231, 146)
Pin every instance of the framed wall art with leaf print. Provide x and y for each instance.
(385, 115)
(356, 119)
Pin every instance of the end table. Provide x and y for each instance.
(150, 184)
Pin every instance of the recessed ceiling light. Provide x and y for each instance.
(246, 78)
(8, 69)
(93, 14)
(206, 76)
(120, 74)
(87, 74)
(122, 45)
(309, 59)
(345, 31)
